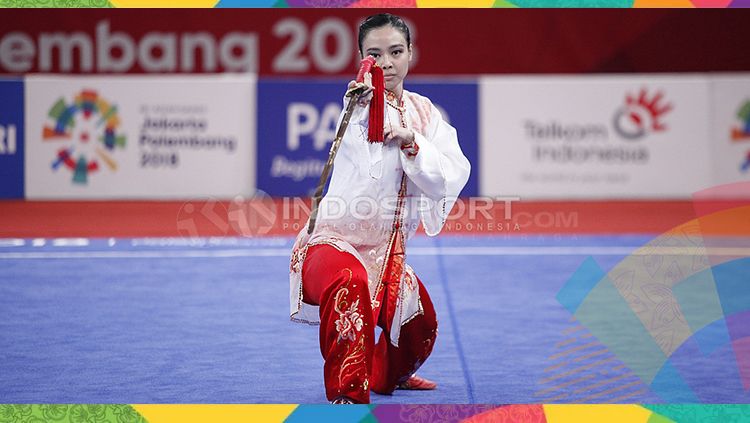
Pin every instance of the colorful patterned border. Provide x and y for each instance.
(675, 313)
(552, 413)
(533, 413)
(381, 3)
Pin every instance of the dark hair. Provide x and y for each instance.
(381, 20)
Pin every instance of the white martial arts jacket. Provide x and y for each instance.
(358, 213)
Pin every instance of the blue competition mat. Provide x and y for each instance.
(206, 321)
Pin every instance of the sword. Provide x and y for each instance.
(352, 93)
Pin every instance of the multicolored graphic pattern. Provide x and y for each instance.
(533, 413)
(78, 413)
(91, 112)
(741, 132)
(675, 302)
(382, 3)
(55, 3)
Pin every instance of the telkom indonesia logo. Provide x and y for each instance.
(741, 132)
(88, 128)
(641, 116)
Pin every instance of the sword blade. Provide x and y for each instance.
(331, 156)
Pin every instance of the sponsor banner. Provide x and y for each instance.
(594, 137)
(730, 131)
(140, 137)
(11, 138)
(458, 103)
(297, 123)
(324, 42)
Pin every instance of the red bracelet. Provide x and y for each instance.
(413, 146)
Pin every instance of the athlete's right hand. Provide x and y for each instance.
(366, 95)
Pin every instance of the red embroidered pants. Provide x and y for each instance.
(354, 364)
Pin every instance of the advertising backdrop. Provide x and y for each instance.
(11, 138)
(730, 132)
(323, 42)
(297, 124)
(594, 137)
(140, 136)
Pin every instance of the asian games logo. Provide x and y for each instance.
(641, 115)
(741, 132)
(89, 128)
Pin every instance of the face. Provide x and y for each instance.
(388, 46)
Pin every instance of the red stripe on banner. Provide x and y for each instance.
(294, 42)
(286, 217)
